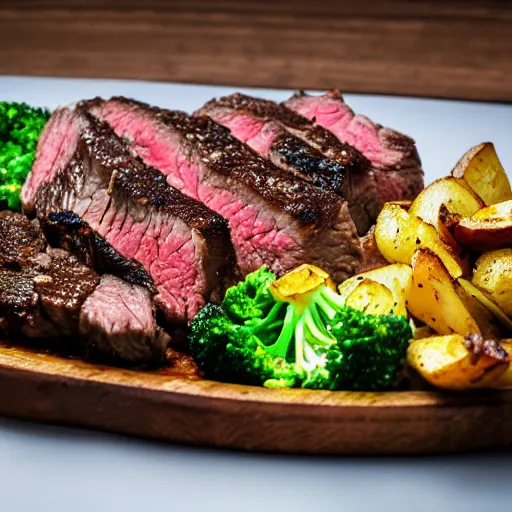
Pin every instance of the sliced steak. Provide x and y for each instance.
(68, 231)
(131, 334)
(274, 219)
(183, 245)
(21, 240)
(49, 293)
(395, 160)
(295, 144)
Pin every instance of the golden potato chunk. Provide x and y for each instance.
(398, 234)
(455, 194)
(493, 275)
(372, 297)
(433, 298)
(486, 230)
(458, 362)
(481, 168)
(396, 278)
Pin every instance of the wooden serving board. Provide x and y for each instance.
(47, 388)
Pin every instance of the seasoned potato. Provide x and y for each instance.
(486, 230)
(456, 196)
(481, 168)
(472, 290)
(299, 282)
(398, 234)
(493, 275)
(396, 278)
(433, 298)
(457, 362)
(372, 297)
(487, 322)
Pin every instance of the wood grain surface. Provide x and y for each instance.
(456, 49)
(47, 388)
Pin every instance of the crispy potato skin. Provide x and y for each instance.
(493, 275)
(488, 229)
(433, 298)
(398, 234)
(481, 168)
(454, 194)
(457, 362)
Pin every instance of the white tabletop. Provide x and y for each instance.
(56, 469)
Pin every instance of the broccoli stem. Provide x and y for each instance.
(280, 347)
(315, 327)
(271, 321)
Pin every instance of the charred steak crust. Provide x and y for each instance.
(293, 154)
(68, 231)
(20, 239)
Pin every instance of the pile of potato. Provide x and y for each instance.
(450, 255)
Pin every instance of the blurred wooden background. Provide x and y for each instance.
(457, 49)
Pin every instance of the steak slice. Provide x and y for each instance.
(21, 240)
(274, 220)
(68, 231)
(184, 246)
(52, 294)
(395, 160)
(295, 144)
(131, 334)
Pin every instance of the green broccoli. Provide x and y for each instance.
(20, 127)
(229, 352)
(320, 344)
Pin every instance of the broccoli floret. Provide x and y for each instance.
(229, 352)
(319, 344)
(343, 348)
(20, 127)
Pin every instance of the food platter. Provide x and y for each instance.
(173, 405)
(47, 388)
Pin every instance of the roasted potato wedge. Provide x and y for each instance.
(398, 234)
(487, 322)
(396, 278)
(457, 197)
(486, 230)
(481, 168)
(433, 297)
(297, 285)
(493, 275)
(458, 362)
(372, 297)
(486, 302)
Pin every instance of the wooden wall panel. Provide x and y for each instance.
(457, 49)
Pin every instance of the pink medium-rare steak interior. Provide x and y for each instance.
(263, 231)
(182, 244)
(55, 148)
(383, 146)
(117, 319)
